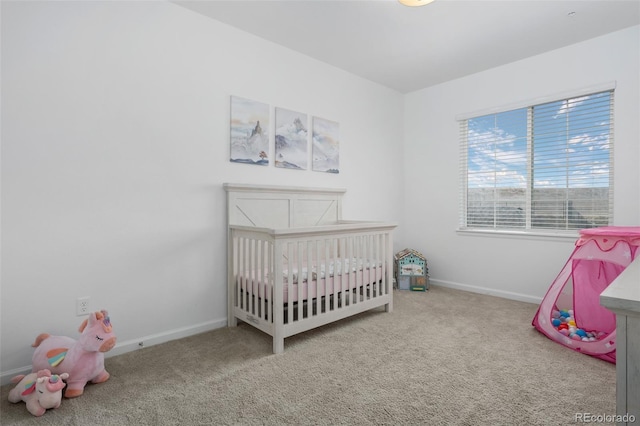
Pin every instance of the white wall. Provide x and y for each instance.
(512, 267)
(115, 146)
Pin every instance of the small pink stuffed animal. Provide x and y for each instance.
(40, 391)
(82, 359)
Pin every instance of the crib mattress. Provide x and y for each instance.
(322, 283)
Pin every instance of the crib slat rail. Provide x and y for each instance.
(287, 281)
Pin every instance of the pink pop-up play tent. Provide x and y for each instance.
(570, 312)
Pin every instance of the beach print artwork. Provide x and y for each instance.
(291, 139)
(326, 146)
(249, 132)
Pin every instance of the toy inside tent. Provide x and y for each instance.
(570, 313)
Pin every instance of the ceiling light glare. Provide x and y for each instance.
(415, 3)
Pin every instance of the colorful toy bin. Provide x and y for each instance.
(411, 270)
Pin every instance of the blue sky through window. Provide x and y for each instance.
(570, 145)
(497, 150)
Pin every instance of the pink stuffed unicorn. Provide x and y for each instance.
(82, 359)
(40, 391)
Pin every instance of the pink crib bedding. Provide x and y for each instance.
(358, 273)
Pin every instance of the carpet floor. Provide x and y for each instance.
(442, 357)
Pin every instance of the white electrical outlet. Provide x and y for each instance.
(82, 306)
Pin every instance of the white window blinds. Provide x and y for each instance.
(546, 166)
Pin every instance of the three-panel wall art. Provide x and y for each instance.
(250, 130)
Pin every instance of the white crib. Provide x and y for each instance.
(294, 264)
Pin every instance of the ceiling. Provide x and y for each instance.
(407, 49)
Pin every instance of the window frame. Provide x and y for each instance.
(528, 231)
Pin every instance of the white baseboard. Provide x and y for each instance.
(489, 291)
(135, 344)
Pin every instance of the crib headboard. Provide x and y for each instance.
(280, 207)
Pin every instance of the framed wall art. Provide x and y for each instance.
(291, 139)
(249, 132)
(326, 146)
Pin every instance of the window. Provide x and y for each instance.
(547, 166)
